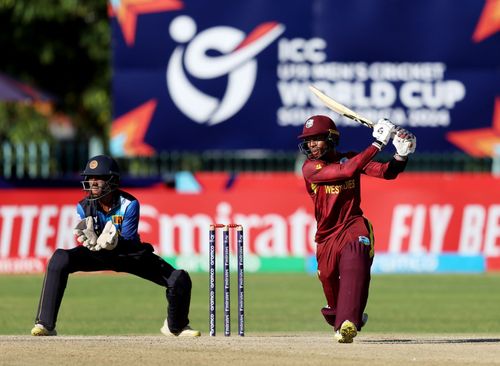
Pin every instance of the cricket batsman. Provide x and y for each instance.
(344, 237)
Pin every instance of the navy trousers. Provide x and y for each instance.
(129, 257)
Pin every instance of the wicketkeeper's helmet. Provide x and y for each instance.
(103, 166)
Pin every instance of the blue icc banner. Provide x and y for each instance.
(234, 74)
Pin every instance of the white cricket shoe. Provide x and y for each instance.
(40, 331)
(185, 332)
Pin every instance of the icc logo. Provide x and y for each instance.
(235, 59)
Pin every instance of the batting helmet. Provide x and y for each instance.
(319, 125)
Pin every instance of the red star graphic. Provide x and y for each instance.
(479, 142)
(489, 22)
(128, 10)
(134, 125)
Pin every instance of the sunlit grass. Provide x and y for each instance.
(119, 304)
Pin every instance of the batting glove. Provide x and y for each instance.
(404, 142)
(382, 132)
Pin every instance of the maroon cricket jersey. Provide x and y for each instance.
(334, 187)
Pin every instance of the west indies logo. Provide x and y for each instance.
(235, 58)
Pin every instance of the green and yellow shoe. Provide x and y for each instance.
(346, 333)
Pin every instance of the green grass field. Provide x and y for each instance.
(118, 304)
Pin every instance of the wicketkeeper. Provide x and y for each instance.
(109, 240)
(344, 237)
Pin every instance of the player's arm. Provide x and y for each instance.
(405, 143)
(389, 170)
(332, 172)
(80, 212)
(130, 224)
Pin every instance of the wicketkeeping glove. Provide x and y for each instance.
(84, 232)
(404, 141)
(382, 132)
(108, 239)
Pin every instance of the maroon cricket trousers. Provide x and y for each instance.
(344, 262)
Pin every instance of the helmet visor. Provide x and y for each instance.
(99, 186)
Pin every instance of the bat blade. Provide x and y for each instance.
(340, 108)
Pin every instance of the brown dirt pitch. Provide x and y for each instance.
(254, 349)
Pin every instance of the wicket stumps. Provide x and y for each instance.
(226, 277)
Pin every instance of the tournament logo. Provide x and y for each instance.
(209, 54)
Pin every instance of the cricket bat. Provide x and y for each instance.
(340, 108)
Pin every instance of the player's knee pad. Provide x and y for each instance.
(59, 261)
(179, 298)
(179, 282)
